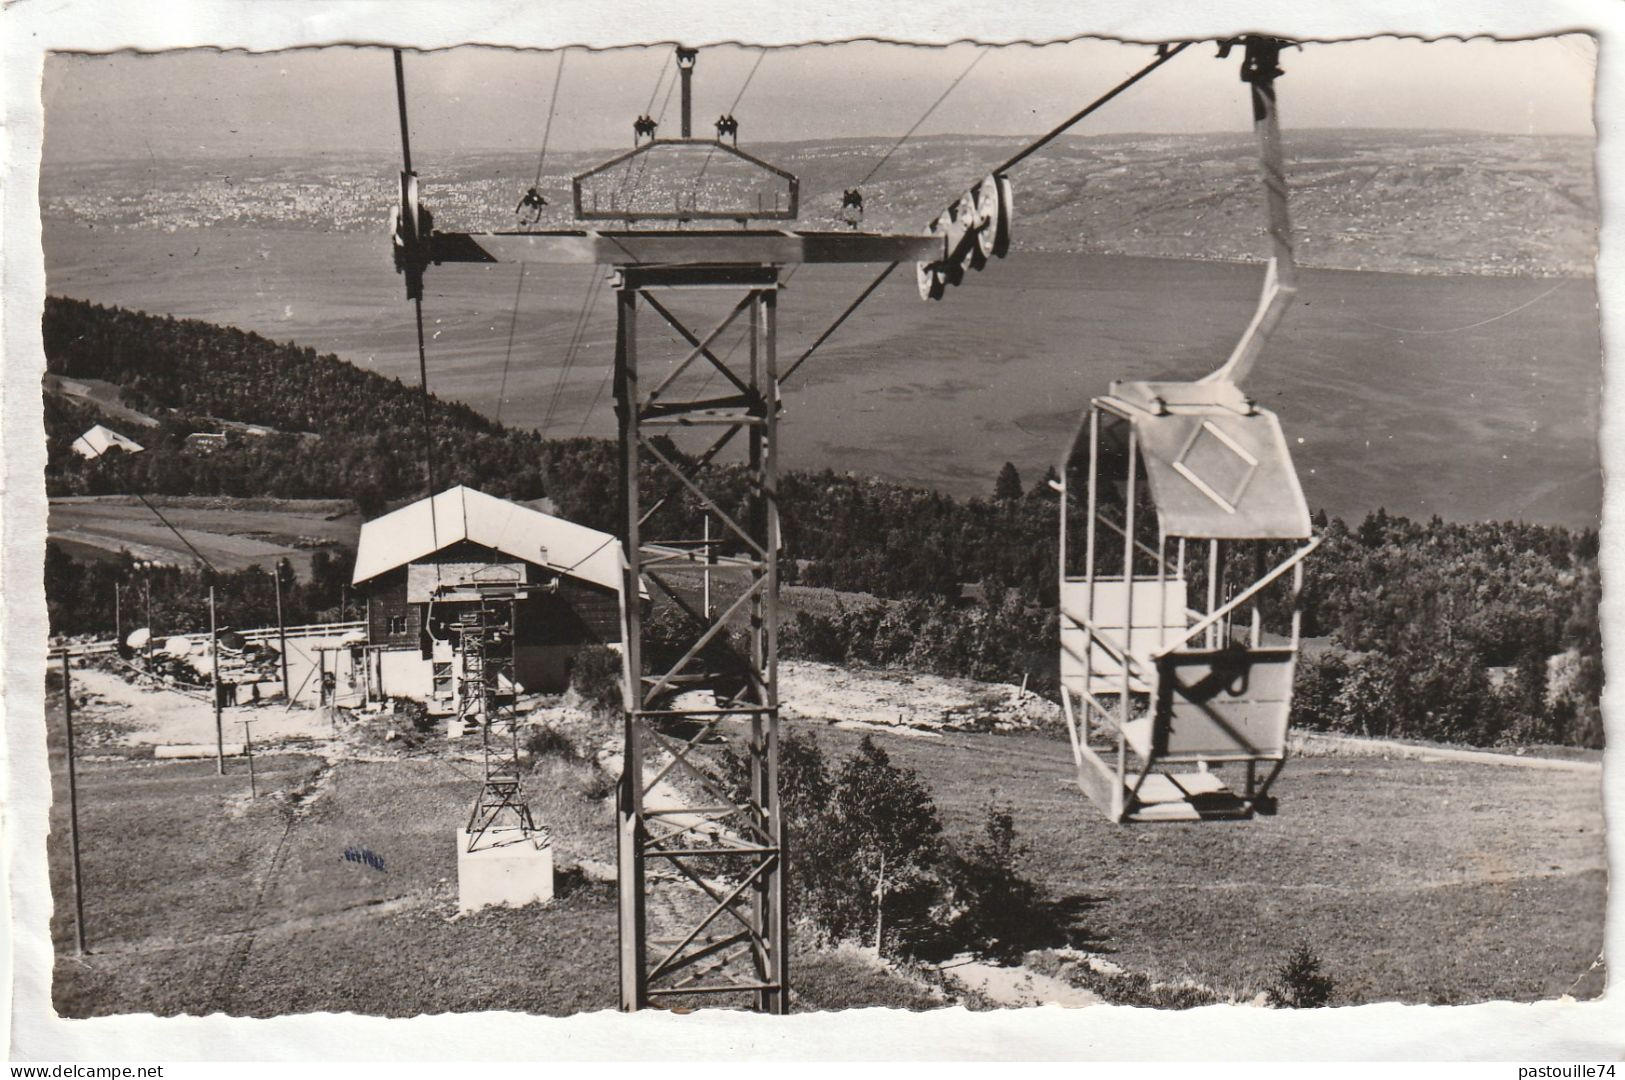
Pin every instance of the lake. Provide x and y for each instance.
(1421, 394)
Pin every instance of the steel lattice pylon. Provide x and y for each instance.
(487, 690)
(724, 851)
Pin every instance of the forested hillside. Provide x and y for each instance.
(341, 432)
(1482, 632)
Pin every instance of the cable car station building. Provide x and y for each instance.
(423, 566)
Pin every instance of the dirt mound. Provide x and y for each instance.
(815, 691)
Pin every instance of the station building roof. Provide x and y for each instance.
(421, 529)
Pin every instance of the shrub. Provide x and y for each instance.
(1299, 982)
(598, 786)
(815, 637)
(993, 908)
(411, 715)
(596, 678)
(669, 632)
(869, 861)
(1119, 987)
(546, 741)
(865, 842)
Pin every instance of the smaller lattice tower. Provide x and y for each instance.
(487, 693)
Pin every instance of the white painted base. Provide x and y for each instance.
(505, 869)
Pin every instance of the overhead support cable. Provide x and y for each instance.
(839, 319)
(552, 107)
(571, 349)
(746, 84)
(597, 396)
(513, 323)
(166, 522)
(400, 100)
(706, 164)
(428, 430)
(924, 116)
(1061, 128)
(643, 159)
(1054, 133)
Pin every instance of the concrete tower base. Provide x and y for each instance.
(504, 868)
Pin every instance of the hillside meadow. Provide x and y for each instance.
(1414, 881)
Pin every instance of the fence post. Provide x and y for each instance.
(248, 748)
(214, 683)
(73, 812)
(281, 630)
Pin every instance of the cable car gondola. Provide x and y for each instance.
(1181, 568)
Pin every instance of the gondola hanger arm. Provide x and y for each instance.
(1259, 68)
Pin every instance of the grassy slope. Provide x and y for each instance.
(192, 908)
(1416, 882)
(234, 533)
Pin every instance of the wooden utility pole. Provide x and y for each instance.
(880, 904)
(118, 615)
(214, 683)
(73, 812)
(281, 631)
(710, 559)
(248, 748)
(149, 615)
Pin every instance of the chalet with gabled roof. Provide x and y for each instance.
(422, 566)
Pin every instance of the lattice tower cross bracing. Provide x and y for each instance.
(702, 868)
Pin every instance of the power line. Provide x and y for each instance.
(428, 431)
(167, 523)
(571, 349)
(502, 395)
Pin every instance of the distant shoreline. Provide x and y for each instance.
(57, 222)
(390, 153)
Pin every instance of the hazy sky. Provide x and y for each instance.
(339, 99)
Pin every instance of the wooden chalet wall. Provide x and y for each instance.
(386, 599)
